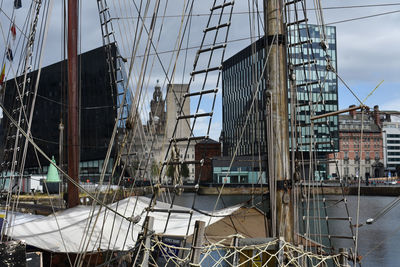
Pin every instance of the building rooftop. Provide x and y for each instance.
(350, 123)
(242, 161)
(208, 141)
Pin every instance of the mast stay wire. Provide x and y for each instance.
(139, 87)
(146, 94)
(383, 212)
(128, 153)
(257, 125)
(22, 108)
(8, 199)
(41, 46)
(215, 95)
(360, 152)
(6, 42)
(308, 9)
(361, 145)
(37, 62)
(182, 103)
(313, 109)
(305, 71)
(356, 238)
(186, 151)
(386, 209)
(162, 66)
(59, 169)
(20, 96)
(324, 45)
(165, 72)
(243, 128)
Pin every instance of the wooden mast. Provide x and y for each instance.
(277, 115)
(73, 103)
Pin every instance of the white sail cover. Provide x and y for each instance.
(79, 229)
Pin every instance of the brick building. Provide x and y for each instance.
(359, 157)
(206, 149)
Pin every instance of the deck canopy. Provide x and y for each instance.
(77, 229)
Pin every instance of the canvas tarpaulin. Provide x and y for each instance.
(75, 230)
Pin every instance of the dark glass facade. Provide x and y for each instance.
(240, 76)
(323, 95)
(239, 83)
(99, 106)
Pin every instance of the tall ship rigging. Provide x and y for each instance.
(288, 112)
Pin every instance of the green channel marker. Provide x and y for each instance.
(52, 173)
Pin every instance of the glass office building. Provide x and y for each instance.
(241, 77)
(99, 106)
(240, 80)
(317, 85)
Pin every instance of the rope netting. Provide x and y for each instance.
(277, 252)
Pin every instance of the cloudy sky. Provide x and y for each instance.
(367, 48)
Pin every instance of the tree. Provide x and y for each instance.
(171, 171)
(171, 168)
(184, 170)
(155, 170)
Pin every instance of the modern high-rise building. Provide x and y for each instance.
(243, 79)
(99, 107)
(240, 76)
(316, 87)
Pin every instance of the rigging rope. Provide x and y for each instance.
(58, 168)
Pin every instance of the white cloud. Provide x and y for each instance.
(367, 49)
(392, 104)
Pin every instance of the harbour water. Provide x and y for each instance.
(377, 243)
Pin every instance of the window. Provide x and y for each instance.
(367, 157)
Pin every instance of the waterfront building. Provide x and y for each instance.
(241, 170)
(99, 106)
(361, 147)
(239, 82)
(207, 150)
(157, 114)
(175, 100)
(240, 79)
(391, 146)
(149, 143)
(175, 97)
(318, 85)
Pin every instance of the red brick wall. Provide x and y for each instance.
(351, 143)
(206, 151)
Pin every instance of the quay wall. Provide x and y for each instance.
(364, 190)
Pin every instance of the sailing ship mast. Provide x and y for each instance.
(73, 104)
(281, 198)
